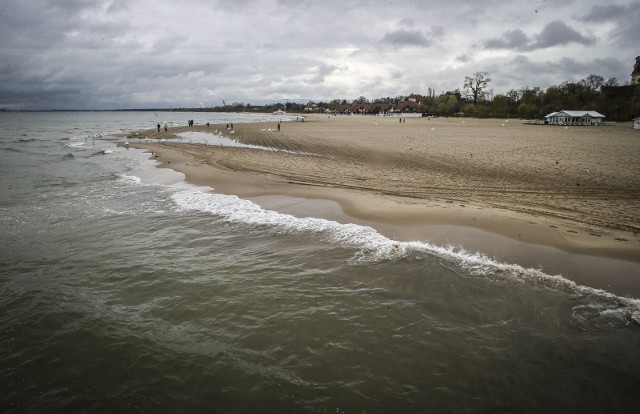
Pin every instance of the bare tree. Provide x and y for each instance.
(476, 85)
(593, 82)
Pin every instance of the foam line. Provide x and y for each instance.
(374, 246)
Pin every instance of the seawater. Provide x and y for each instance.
(124, 289)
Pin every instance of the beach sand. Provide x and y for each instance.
(476, 183)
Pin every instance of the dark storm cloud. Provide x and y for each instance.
(43, 24)
(556, 33)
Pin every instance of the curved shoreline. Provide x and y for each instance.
(412, 184)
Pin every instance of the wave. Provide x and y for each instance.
(75, 145)
(102, 152)
(129, 178)
(373, 246)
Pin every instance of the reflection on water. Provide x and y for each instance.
(215, 138)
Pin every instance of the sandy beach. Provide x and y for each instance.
(574, 189)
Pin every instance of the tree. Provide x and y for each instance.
(513, 97)
(476, 85)
(448, 103)
(593, 82)
(611, 82)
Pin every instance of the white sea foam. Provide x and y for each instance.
(130, 178)
(373, 246)
(75, 145)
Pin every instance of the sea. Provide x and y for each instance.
(125, 289)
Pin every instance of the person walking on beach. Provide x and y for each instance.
(278, 126)
(158, 126)
(165, 127)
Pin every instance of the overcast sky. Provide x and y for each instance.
(105, 54)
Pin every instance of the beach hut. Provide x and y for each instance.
(575, 118)
(636, 123)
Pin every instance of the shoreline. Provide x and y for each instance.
(513, 231)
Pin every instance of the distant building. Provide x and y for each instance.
(415, 98)
(635, 75)
(407, 106)
(575, 118)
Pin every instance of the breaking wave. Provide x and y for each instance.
(373, 246)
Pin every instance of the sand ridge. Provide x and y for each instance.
(575, 188)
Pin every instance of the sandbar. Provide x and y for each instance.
(575, 189)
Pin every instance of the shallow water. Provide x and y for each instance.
(124, 289)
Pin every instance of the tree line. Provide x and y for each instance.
(476, 99)
(617, 103)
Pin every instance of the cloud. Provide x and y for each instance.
(625, 18)
(406, 38)
(602, 13)
(528, 72)
(512, 39)
(556, 33)
(321, 71)
(464, 58)
(133, 53)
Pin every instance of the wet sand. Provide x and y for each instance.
(575, 189)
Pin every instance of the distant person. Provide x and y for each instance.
(158, 126)
(278, 126)
(165, 127)
(207, 125)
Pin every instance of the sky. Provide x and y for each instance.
(115, 54)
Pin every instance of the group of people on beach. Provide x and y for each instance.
(191, 123)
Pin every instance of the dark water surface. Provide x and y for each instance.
(121, 294)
